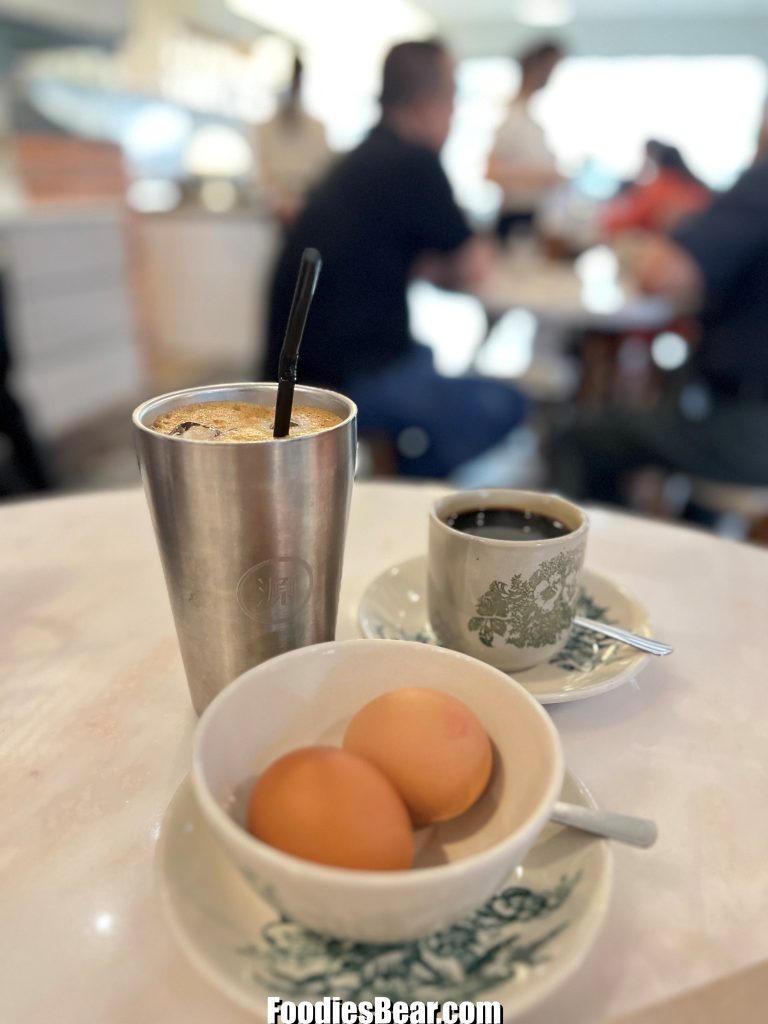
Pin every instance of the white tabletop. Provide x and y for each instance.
(96, 727)
(590, 294)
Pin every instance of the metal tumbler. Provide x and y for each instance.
(251, 533)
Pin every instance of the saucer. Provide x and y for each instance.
(517, 948)
(394, 607)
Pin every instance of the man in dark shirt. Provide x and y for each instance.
(385, 213)
(717, 428)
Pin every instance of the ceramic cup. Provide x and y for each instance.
(509, 603)
(308, 697)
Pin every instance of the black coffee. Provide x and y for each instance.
(507, 524)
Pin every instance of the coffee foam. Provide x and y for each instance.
(245, 421)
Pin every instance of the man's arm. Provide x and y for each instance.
(664, 268)
(712, 250)
(443, 248)
(725, 240)
(462, 270)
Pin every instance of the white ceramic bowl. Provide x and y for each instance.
(307, 697)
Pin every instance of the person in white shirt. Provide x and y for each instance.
(292, 152)
(521, 162)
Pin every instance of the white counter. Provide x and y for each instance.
(70, 312)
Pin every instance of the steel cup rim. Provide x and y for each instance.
(141, 411)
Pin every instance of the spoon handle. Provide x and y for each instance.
(622, 827)
(643, 643)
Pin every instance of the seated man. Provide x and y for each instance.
(718, 426)
(384, 213)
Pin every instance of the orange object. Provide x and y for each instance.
(656, 205)
(330, 806)
(431, 747)
(60, 169)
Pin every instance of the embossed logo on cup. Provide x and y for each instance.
(275, 590)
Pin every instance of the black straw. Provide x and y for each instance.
(309, 271)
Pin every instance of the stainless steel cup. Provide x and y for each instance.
(251, 533)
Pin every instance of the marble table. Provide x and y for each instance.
(589, 294)
(96, 729)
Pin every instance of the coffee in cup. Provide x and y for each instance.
(222, 420)
(503, 574)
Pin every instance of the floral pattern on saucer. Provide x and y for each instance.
(394, 607)
(583, 651)
(518, 948)
(485, 949)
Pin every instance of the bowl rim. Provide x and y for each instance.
(353, 878)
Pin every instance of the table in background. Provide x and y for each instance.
(587, 297)
(588, 293)
(96, 730)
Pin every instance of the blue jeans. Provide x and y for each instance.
(455, 418)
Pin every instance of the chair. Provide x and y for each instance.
(744, 504)
(28, 471)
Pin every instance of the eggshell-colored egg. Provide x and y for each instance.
(331, 806)
(431, 747)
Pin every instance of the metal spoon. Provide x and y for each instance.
(622, 827)
(643, 643)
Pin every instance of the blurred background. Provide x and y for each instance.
(143, 197)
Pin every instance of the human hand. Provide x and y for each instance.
(661, 267)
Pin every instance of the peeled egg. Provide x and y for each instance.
(431, 747)
(333, 807)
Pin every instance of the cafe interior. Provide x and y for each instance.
(538, 266)
(144, 202)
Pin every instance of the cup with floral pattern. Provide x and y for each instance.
(507, 602)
